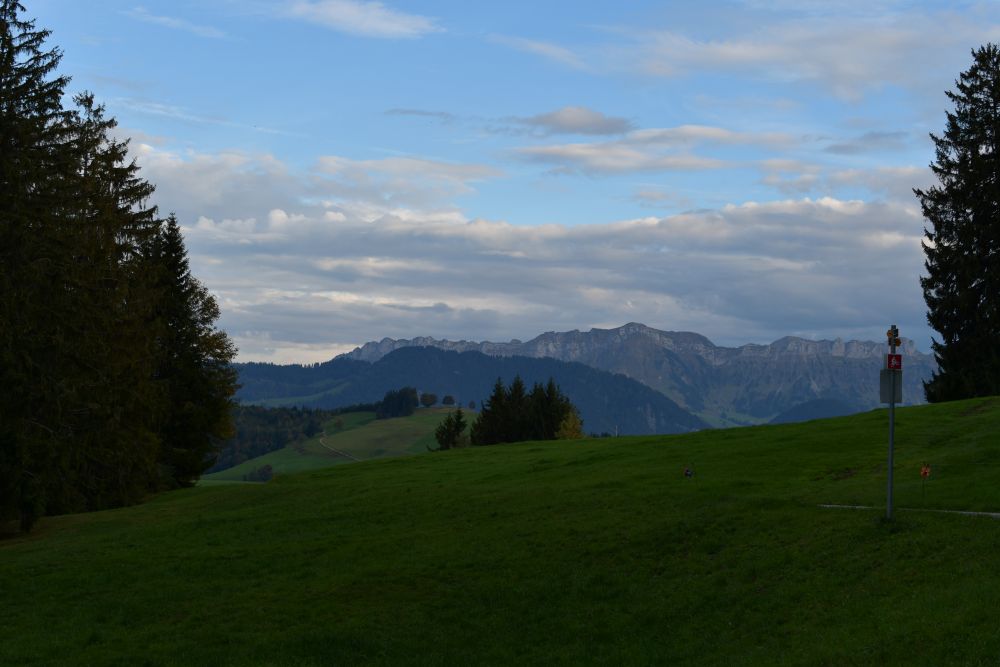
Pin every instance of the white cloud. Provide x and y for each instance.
(548, 50)
(368, 19)
(614, 157)
(848, 56)
(140, 14)
(577, 120)
(299, 277)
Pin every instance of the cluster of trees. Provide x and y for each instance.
(450, 432)
(259, 430)
(513, 414)
(115, 381)
(397, 403)
(962, 246)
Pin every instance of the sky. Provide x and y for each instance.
(347, 170)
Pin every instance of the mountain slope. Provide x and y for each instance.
(608, 403)
(587, 552)
(726, 386)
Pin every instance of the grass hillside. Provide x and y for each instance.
(361, 436)
(597, 551)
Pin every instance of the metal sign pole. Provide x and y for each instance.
(893, 334)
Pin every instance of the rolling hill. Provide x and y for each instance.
(724, 386)
(360, 438)
(607, 402)
(594, 551)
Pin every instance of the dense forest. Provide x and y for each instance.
(116, 382)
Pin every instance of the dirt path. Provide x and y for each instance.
(322, 441)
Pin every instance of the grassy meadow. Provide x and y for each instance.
(593, 551)
(360, 436)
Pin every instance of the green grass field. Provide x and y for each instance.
(597, 551)
(361, 436)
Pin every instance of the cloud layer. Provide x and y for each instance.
(309, 265)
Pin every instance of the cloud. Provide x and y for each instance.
(577, 120)
(848, 57)
(303, 274)
(895, 183)
(870, 142)
(685, 135)
(174, 112)
(547, 50)
(442, 116)
(648, 150)
(613, 157)
(140, 14)
(398, 181)
(368, 19)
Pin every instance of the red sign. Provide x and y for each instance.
(894, 362)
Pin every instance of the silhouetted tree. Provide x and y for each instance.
(512, 415)
(449, 432)
(397, 403)
(193, 365)
(962, 246)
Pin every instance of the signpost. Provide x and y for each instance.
(891, 390)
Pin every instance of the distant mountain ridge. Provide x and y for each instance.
(607, 402)
(725, 386)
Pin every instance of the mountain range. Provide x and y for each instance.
(607, 402)
(724, 386)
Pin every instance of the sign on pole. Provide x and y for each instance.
(891, 389)
(890, 386)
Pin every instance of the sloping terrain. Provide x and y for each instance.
(565, 553)
(360, 437)
(724, 386)
(607, 402)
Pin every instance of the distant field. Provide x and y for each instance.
(568, 553)
(361, 436)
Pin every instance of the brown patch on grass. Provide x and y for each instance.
(846, 473)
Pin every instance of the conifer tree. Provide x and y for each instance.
(193, 366)
(92, 321)
(512, 415)
(32, 255)
(962, 245)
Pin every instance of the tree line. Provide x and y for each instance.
(513, 414)
(115, 381)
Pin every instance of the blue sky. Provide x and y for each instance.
(349, 170)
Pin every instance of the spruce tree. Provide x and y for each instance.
(962, 245)
(34, 167)
(193, 366)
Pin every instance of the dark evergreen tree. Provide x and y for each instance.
(397, 403)
(449, 432)
(34, 169)
(489, 428)
(193, 366)
(105, 297)
(513, 415)
(962, 246)
(81, 337)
